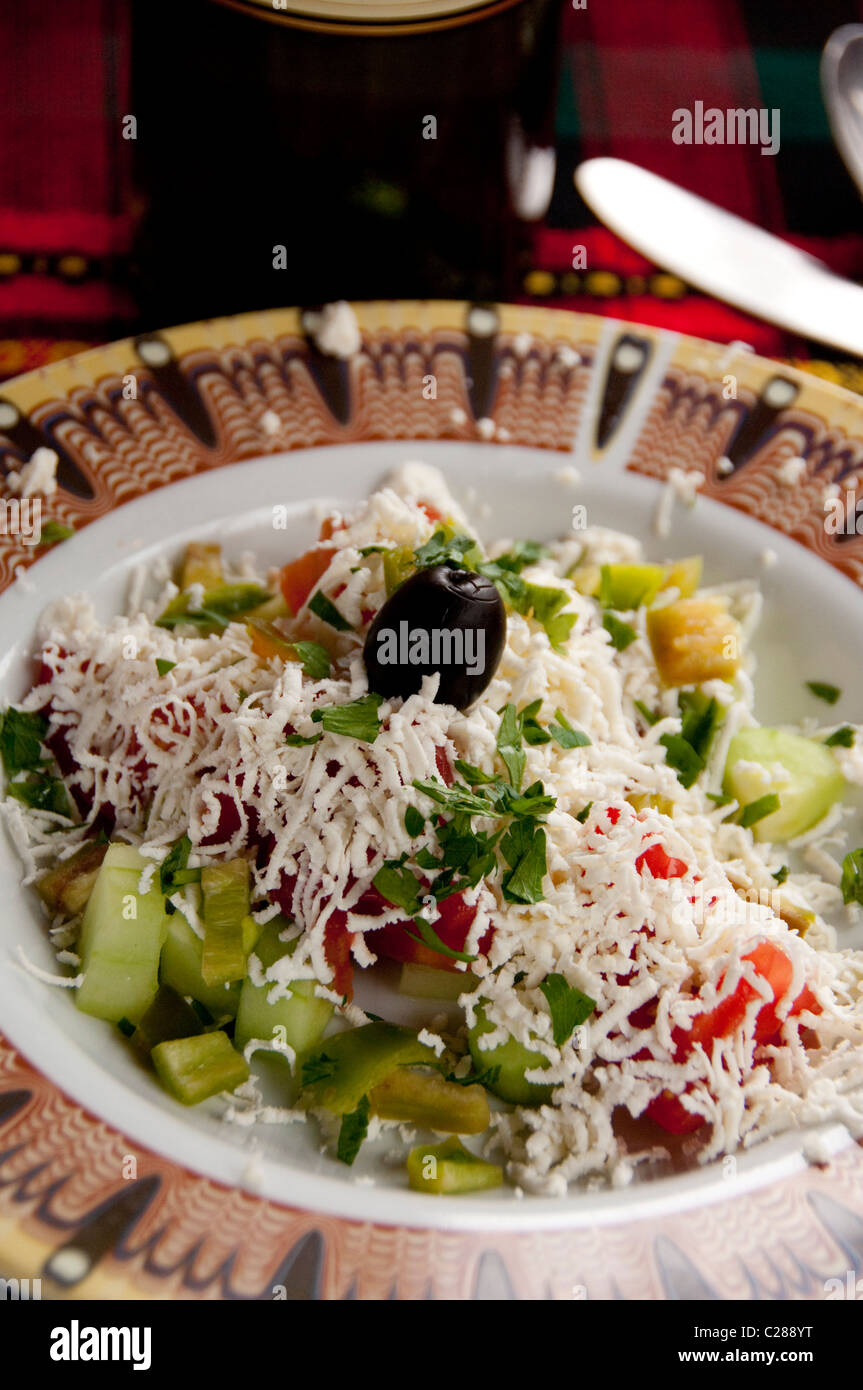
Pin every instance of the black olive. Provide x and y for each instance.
(443, 620)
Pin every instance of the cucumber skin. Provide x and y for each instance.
(514, 1060)
(120, 956)
(816, 782)
(301, 1014)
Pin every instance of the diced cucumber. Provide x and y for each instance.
(348, 1066)
(193, 1069)
(450, 1167)
(513, 1060)
(180, 966)
(121, 937)
(168, 1017)
(625, 587)
(426, 982)
(298, 1019)
(225, 892)
(802, 772)
(426, 1099)
(67, 886)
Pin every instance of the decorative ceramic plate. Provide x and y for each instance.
(108, 1190)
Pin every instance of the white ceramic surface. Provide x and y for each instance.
(812, 628)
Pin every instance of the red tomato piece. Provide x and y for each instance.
(659, 864)
(671, 1114)
(337, 948)
(396, 941)
(299, 577)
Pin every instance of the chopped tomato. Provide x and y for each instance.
(329, 526)
(671, 1114)
(431, 512)
(337, 948)
(397, 942)
(442, 763)
(775, 968)
(659, 864)
(299, 577)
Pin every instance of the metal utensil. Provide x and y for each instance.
(723, 254)
(842, 89)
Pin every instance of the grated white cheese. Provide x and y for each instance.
(38, 474)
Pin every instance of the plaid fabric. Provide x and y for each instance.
(67, 207)
(626, 68)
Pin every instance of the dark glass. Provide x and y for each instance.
(253, 135)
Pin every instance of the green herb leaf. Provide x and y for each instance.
(755, 811)
(163, 666)
(302, 740)
(647, 715)
(719, 798)
(442, 549)
(320, 1067)
(174, 862)
(781, 874)
(509, 745)
(399, 886)
(852, 877)
(563, 733)
(315, 659)
(700, 719)
(353, 1131)
(424, 859)
(584, 813)
(621, 634)
(321, 606)
(456, 798)
(42, 792)
(359, 719)
(474, 776)
(21, 738)
(523, 884)
(54, 531)
(429, 937)
(375, 549)
(841, 738)
(830, 693)
(567, 1005)
(414, 822)
(126, 1028)
(680, 755)
(523, 553)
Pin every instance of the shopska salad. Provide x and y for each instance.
(531, 774)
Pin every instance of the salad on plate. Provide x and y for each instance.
(530, 775)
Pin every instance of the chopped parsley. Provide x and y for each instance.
(486, 1078)
(567, 1005)
(174, 866)
(302, 740)
(315, 659)
(322, 607)
(163, 666)
(399, 886)
(42, 792)
(781, 874)
(354, 1129)
(524, 849)
(414, 822)
(429, 937)
(563, 733)
(447, 549)
(687, 751)
(21, 737)
(852, 877)
(824, 691)
(523, 553)
(509, 744)
(647, 715)
(217, 607)
(622, 634)
(533, 732)
(841, 738)
(359, 719)
(755, 811)
(583, 814)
